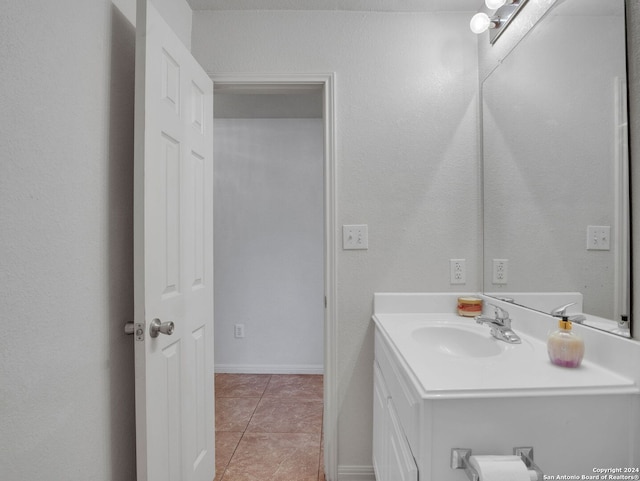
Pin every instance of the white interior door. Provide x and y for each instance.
(173, 257)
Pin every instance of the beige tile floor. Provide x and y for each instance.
(269, 427)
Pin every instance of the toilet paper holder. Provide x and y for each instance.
(460, 460)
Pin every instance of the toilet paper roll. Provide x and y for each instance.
(501, 468)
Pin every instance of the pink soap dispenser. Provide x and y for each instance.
(564, 346)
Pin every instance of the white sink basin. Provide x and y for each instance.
(457, 341)
(443, 370)
(450, 356)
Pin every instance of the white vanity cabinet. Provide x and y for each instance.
(381, 401)
(392, 456)
(428, 401)
(393, 459)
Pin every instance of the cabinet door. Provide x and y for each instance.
(402, 465)
(380, 425)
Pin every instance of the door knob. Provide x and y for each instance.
(156, 327)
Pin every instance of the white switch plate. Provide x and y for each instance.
(458, 268)
(598, 238)
(238, 331)
(355, 237)
(500, 271)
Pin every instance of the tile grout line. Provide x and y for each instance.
(224, 471)
(321, 447)
(256, 408)
(262, 396)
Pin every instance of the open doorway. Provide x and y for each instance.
(284, 90)
(269, 230)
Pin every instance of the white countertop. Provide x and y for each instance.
(519, 370)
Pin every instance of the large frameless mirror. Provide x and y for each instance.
(555, 167)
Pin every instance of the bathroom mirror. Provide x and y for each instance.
(555, 166)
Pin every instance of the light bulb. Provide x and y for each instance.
(479, 22)
(494, 4)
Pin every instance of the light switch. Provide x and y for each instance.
(355, 237)
(598, 238)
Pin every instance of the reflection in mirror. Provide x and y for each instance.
(555, 166)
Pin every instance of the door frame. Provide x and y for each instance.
(327, 82)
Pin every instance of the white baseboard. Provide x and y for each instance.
(356, 473)
(268, 369)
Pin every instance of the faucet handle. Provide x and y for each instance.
(500, 313)
(561, 311)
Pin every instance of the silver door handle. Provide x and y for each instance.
(156, 328)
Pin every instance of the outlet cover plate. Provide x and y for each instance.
(458, 268)
(500, 271)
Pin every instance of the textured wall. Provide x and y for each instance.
(269, 240)
(66, 290)
(406, 156)
(66, 238)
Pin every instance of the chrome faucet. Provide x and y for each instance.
(562, 312)
(500, 325)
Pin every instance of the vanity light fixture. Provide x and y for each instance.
(480, 22)
(496, 4)
(504, 12)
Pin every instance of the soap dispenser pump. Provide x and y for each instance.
(564, 346)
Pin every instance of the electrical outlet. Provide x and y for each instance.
(355, 237)
(458, 268)
(238, 331)
(500, 271)
(598, 238)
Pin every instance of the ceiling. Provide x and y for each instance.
(355, 5)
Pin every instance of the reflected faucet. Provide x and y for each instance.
(561, 311)
(500, 325)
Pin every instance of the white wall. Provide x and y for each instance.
(406, 157)
(269, 241)
(66, 289)
(66, 240)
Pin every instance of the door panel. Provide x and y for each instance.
(173, 256)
